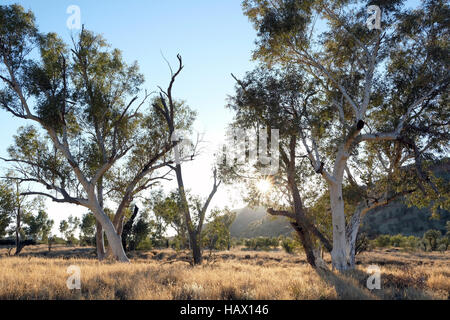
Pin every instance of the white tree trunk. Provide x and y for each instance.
(114, 240)
(339, 252)
(351, 235)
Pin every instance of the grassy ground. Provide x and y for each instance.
(235, 274)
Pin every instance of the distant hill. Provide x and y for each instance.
(398, 218)
(392, 219)
(250, 223)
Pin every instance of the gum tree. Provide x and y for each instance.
(376, 85)
(16, 215)
(274, 98)
(194, 209)
(85, 101)
(101, 89)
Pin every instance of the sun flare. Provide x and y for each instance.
(263, 186)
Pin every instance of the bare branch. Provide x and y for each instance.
(283, 213)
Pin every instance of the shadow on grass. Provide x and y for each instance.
(63, 253)
(351, 285)
(346, 284)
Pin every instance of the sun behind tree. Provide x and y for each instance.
(264, 186)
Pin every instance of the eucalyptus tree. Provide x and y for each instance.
(87, 229)
(148, 162)
(217, 233)
(167, 211)
(68, 229)
(16, 214)
(85, 100)
(101, 89)
(376, 85)
(6, 207)
(193, 210)
(277, 99)
(38, 226)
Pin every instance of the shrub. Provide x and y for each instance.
(398, 240)
(443, 244)
(261, 243)
(145, 244)
(237, 242)
(431, 238)
(383, 241)
(176, 244)
(289, 245)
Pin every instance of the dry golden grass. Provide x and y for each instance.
(235, 274)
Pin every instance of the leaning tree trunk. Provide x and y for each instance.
(306, 242)
(302, 226)
(194, 243)
(114, 240)
(128, 227)
(351, 234)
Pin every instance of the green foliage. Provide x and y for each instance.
(17, 33)
(289, 245)
(216, 234)
(399, 241)
(7, 200)
(398, 217)
(177, 243)
(339, 58)
(68, 228)
(35, 226)
(88, 229)
(144, 233)
(431, 238)
(262, 243)
(383, 241)
(84, 97)
(431, 241)
(443, 244)
(165, 209)
(38, 226)
(145, 244)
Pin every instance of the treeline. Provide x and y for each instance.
(148, 229)
(432, 240)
